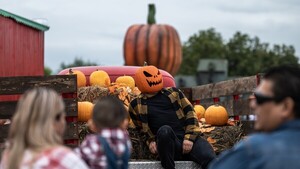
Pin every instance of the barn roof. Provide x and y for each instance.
(24, 21)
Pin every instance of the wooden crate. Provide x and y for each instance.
(63, 84)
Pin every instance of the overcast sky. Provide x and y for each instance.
(94, 29)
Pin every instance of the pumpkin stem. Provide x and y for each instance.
(151, 14)
(145, 63)
(71, 71)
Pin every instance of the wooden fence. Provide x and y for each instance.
(232, 94)
(63, 84)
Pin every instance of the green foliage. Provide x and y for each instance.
(246, 56)
(47, 71)
(77, 62)
(206, 44)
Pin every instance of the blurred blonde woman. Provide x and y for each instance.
(36, 134)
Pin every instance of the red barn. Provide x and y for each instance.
(21, 46)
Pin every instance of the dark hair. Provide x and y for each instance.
(109, 112)
(286, 81)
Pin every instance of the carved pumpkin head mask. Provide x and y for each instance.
(148, 79)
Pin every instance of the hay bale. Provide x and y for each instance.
(91, 93)
(222, 137)
(140, 150)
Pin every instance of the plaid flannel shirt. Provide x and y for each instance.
(184, 111)
(53, 158)
(92, 152)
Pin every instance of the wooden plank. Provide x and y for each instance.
(19, 84)
(71, 131)
(7, 109)
(229, 87)
(241, 107)
(187, 92)
(3, 132)
(71, 106)
(228, 105)
(206, 102)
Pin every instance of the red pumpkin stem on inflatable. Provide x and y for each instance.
(71, 71)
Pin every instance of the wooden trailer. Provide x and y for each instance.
(232, 94)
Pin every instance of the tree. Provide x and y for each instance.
(246, 56)
(47, 71)
(205, 44)
(77, 62)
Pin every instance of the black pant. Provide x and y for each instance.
(169, 148)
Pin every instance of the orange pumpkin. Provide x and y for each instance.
(85, 110)
(127, 80)
(99, 78)
(157, 44)
(216, 115)
(199, 110)
(81, 79)
(148, 79)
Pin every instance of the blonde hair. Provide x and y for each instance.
(33, 124)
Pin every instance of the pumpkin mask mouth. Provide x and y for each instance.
(151, 83)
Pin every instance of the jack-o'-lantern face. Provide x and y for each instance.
(148, 79)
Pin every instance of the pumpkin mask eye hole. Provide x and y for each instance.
(147, 74)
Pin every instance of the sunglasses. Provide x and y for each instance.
(261, 99)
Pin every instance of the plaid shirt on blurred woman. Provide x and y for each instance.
(91, 150)
(53, 158)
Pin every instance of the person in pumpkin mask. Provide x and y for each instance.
(168, 119)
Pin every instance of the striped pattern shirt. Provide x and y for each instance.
(184, 111)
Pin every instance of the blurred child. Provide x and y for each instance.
(110, 147)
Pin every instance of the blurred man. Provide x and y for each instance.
(277, 108)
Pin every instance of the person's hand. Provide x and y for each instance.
(152, 147)
(187, 146)
(91, 126)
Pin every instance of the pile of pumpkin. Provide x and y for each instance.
(218, 129)
(100, 85)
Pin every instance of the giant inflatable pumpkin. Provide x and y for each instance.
(157, 44)
(148, 79)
